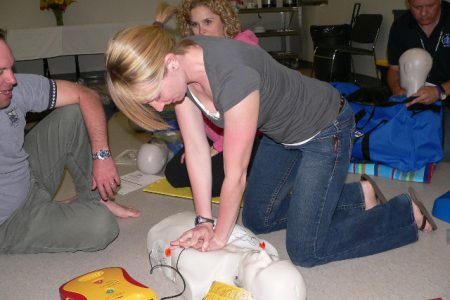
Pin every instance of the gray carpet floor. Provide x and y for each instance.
(417, 271)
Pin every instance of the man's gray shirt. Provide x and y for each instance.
(33, 93)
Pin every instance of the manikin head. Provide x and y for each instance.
(266, 277)
(152, 157)
(415, 64)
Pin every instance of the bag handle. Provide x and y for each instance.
(360, 115)
(417, 106)
(365, 144)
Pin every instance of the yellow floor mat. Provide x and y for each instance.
(163, 187)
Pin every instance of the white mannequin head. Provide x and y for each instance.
(415, 64)
(152, 157)
(266, 277)
(241, 262)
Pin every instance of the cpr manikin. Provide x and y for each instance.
(415, 64)
(246, 261)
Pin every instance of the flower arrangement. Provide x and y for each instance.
(58, 7)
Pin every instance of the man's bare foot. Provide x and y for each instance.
(419, 217)
(122, 211)
(69, 200)
(370, 198)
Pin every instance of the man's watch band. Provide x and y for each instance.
(101, 154)
(201, 220)
(442, 94)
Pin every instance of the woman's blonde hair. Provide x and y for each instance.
(135, 58)
(222, 8)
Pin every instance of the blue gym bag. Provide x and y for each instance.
(389, 133)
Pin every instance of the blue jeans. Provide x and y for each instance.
(302, 189)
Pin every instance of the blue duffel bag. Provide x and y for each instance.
(392, 134)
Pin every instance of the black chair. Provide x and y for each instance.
(325, 38)
(398, 13)
(364, 32)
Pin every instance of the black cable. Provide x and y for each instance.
(175, 269)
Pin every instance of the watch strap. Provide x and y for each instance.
(201, 220)
(442, 94)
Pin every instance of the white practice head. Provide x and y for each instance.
(152, 158)
(415, 64)
(268, 278)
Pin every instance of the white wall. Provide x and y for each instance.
(26, 14)
(18, 14)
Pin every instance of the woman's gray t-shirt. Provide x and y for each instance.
(293, 107)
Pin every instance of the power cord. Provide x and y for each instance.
(152, 268)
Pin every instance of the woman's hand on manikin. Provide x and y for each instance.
(198, 238)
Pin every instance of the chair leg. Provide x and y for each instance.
(332, 66)
(375, 64)
(352, 68)
(313, 63)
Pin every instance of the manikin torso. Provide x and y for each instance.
(241, 262)
(415, 64)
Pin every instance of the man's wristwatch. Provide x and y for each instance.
(101, 154)
(201, 220)
(442, 94)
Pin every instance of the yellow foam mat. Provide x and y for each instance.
(163, 187)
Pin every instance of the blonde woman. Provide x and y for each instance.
(212, 18)
(298, 176)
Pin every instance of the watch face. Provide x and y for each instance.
(102, 154)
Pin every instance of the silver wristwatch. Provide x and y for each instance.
(201, 220)
(101, 154)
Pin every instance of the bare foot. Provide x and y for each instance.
(122, 211)
(68, 200)
(419, 217)
(370, 199)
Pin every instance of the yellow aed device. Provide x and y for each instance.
(106, 284)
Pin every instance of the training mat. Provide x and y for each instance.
(163, 187)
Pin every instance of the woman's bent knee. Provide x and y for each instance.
(300, 255)
(255, 225)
